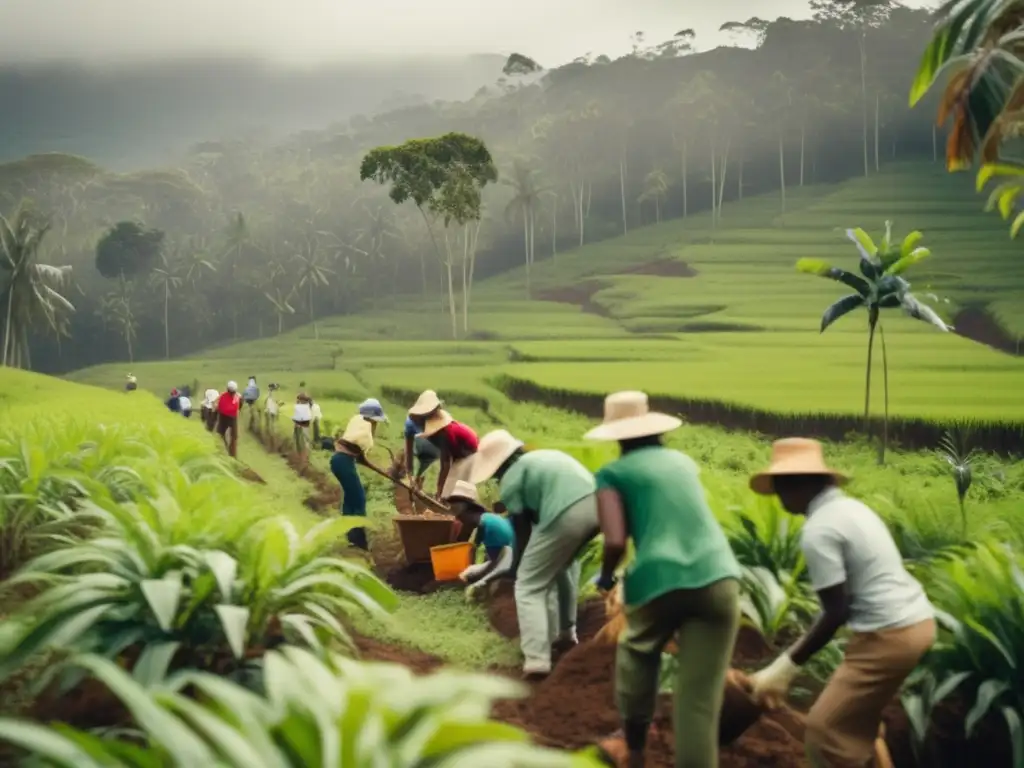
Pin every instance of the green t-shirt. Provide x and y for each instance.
(546, 482)
(679, 543)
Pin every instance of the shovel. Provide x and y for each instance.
(428, 501)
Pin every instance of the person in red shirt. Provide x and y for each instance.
(457, 444)
(227, 417)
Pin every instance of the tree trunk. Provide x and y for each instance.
(465, 282)
(554, 226)
(803, 131)
(657, 211)
(739, 181)
(877, 118)
(451, 287)
(280, 323)
(7, 325)
(782, 171)
(167, 327)
(128, 340)
(622, 190)
(721, 182)
(864, 94)
(885, 382)
(714, 187)
(685, 211)
(526, 248)
(872, 324)
(312, 314)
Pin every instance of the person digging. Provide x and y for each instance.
(456, 444)
(549, 497)
(482, 528)
(350, 450)
(271, 409)
(422, 450)
(208, 409)
(682, 584)
(857, 571)
(302, 417)
(227, 417)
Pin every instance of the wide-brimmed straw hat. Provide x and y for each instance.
(494, 450)
(436, 423)
(426, 404)
(372, 409)
(794, 456)
(628, 416)
(464, 491)
(359, 433)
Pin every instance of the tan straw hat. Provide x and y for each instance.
(627, 416)
(359, 432)
(794, 456)
(494, 450)
(436, 423)
(464, 491)
(425, 404)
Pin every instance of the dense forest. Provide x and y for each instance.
(244, 239)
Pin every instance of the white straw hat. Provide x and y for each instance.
(232, 386)
(436, 423)
(794, 456)
(358, 432)
(465, 491)
(425, 404)
(494, 450)
(627, 416)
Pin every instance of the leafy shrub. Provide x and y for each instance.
(313, 711)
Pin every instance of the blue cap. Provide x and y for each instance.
(371, 409)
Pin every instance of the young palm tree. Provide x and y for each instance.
(655, 190)
(526, 195)
(167, 280)
(116, 310)
(312, 273)
(879, 286)
(31, 291)
(281, 302)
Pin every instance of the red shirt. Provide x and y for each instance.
(228, 404)
(460, 440)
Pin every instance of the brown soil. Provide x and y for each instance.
(663, 268)
(978, 325)
(581, 295)
(417, 661)
(501, 610)
(249, 474)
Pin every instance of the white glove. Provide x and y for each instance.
(473, 591)
(772, 682)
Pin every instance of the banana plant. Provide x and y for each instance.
(1004, 196)
(325, 711)
(879, 286)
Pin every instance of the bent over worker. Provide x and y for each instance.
(683, 582)
(350, 450)
(550, 498)
(858, 573)
(457, 445)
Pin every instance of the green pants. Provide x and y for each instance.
(704, 623)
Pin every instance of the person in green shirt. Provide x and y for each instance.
(549, 496)
(683, 582)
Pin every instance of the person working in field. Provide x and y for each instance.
(250, 396)
(493, 532)
(683, 582)
(315, 418)
(174, 402)
(371, 410)
(857, 571)
(419, 448)
(456, 444)
(185, 404)
(130, 383)
(349, 451)
(271, 409)
(208, 409)
(228, 404)
(549, 496)
(302, 417)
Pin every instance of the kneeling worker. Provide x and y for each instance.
(482, 528)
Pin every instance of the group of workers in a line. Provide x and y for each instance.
(683, 581)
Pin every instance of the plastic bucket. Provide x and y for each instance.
(449, 560)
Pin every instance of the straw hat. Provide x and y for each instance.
(627, 416)
(794, 456)
(465, 492)
(232, 386)
(372, 409)
(425, 404)
(359, 433)
(436, 423)
(494, 450)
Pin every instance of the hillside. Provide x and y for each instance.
(688, 312)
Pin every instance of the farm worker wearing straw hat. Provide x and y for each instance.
(856, 569)
(373, 412)
(416, 447)
(457, 446)
(208, 409)
(550, 498)
(227, 417)
(683, 582)
(493, 532)
(350, 450)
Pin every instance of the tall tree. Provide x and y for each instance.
(167, 280)
(526, 197)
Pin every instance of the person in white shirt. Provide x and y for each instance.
(857, 571)
(302, 416)
(270, 409)
(315, 415)
(208, 409)
(186, 405)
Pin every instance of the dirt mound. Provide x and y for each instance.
(663, 268)
(501, 611)
(417, 661)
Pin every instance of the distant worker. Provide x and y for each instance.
(483, 529)
(130, 384)
(301, 418)
(315, 418)
(271, 408)
(228, 405)
(549, 497)
(416, 446)
(174, 402)
(185, 404)
(250, 396)
(858, 572)
(456, 443)
(208, 409)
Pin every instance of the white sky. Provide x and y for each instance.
(315, 31)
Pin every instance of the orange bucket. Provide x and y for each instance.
(449, 560)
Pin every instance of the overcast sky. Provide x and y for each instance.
(313, 31)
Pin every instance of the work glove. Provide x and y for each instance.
(772, 683)
(602, 585)
(475, 591)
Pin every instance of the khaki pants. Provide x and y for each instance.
(704, 623)
(843, 723)
(459, 470)
(547, 583)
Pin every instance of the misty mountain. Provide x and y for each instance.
(148, 114)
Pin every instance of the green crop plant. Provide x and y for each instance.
(312, 711)
(143, 589)
(954, 451)
(776, 605)
(879, 286)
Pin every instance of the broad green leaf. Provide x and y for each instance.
(824, 269)
(234, 619)
(1018, 222)
(906, 262)
(840, 308)
(154, 662)
(910, 242)
(1016, 729)
(989, 171)
(988, 692)
(163, 597)
(225, 569)
(863, 241)
(231, 743)
(45, 742)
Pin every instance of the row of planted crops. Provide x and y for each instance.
(150, 589)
